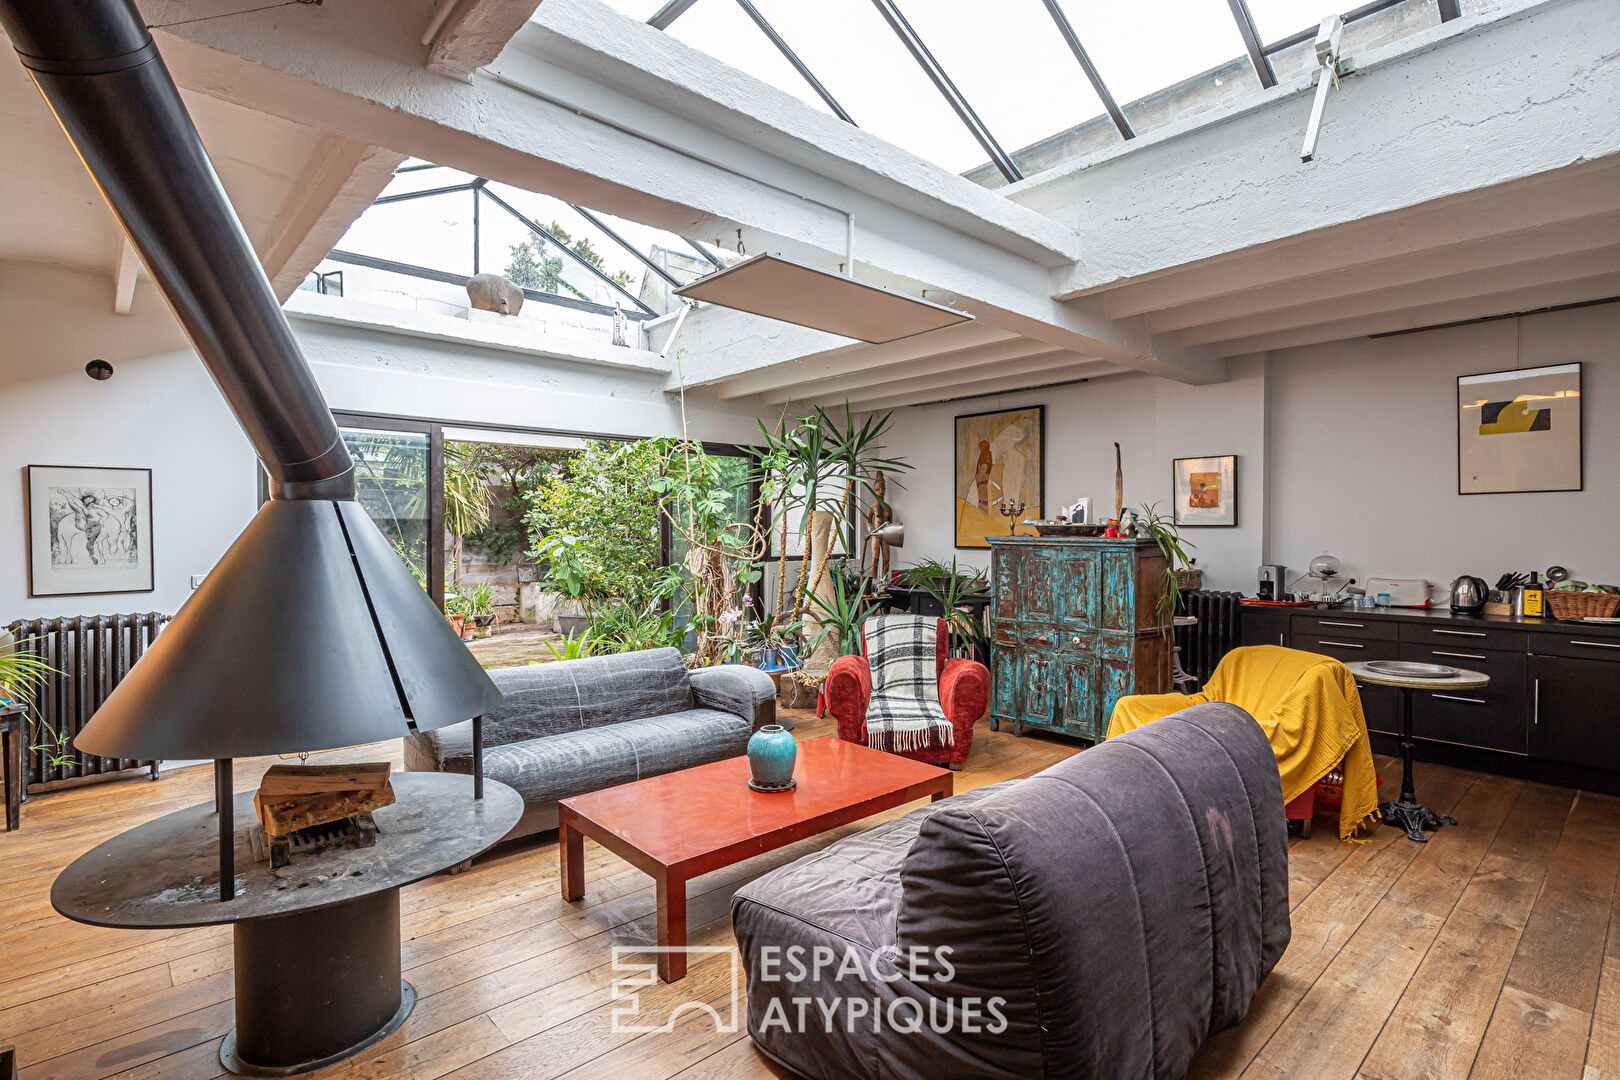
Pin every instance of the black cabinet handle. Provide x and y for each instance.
(1466, 700)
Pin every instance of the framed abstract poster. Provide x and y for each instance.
(1519, 430)
(89, 530)
(1000, 462)
(1205, 490)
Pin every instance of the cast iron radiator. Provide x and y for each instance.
(1216, 633)
(92, 655)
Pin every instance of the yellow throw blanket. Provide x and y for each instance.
(1309, 708)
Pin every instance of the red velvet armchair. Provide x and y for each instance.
(964, 692)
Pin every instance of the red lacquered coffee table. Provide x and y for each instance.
(683, 824)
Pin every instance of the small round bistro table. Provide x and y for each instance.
(1406, 812)
(317, 942)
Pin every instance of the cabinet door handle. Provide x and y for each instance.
(1597, 644)
(1342, 644)
(1459, 655)
(1535, 702)
(1282, 637)
(1043, 639)
(1075, 641)
(1342, 625)
(1468, 700)
(1464, 633)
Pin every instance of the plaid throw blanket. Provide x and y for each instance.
(904, 713)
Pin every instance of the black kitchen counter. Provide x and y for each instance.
(1447, 616)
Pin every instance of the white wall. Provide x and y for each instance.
(1348, 448)
(1154, 421)
(1365, 454)
(160, 410)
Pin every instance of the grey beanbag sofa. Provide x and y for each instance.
(1100, 919)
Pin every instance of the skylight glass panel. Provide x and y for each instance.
(419, 176)
(866, 68)
(434, 231)
(1277, 19)
(721, 29)
(1010, 63)
(1141, 49)
(501, 233)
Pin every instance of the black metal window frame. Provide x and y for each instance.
(434, 430)
(633, 307)
(1260, 54)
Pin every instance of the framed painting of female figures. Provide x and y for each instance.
(89, 530)
(1000, 467)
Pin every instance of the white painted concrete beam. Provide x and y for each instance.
(1477, 307)
(941, 366)
(859, 356)
(1009, 373)
(124, 277)
(1440, 290)
(1544, 241)
(1085, 369)
(467, 34)
(1467, 105)
(342, 180)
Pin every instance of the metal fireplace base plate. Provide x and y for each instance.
(228, 1058)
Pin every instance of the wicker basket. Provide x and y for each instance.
(1568, 605)
(1191, 578)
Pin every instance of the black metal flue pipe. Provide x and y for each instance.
(98, 68)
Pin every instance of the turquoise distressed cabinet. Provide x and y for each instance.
(1074, 624)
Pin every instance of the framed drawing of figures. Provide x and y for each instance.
(1519, 430)
(1000, 467)
(1205, 490)
(89, 530)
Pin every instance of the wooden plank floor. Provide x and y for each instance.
(1489, 952)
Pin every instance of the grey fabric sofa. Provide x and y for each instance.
(574, 726)
(1118, 909)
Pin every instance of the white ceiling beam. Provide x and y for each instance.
(342, 180)
(1009, 372)
(1084, 369)
(1574, 237)
(984, 357)
(1478, 307)
(124, 278)
(464, 35)
(1485, 282)
(599, 110)
(1443, 112)
(860, 356)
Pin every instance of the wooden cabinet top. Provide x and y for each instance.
(1095, 542)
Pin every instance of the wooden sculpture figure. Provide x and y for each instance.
(879, 514)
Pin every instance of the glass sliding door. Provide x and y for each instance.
(398, 479)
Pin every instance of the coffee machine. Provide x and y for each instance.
(1273, 582)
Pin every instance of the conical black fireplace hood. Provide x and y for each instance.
(310, 633)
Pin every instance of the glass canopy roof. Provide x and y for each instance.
(961, 82)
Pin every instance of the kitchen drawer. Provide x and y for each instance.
(1464, 638)
(1344, 647)
(1579, 644)
(1494, 717)
(1346, 627)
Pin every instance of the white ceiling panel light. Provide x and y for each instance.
(779, 288)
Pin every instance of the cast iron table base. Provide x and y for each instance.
(317, 942)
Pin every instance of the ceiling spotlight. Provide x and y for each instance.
(99, 370)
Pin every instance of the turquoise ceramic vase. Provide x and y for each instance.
(771, 754)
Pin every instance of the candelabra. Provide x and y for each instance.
(1010, 510)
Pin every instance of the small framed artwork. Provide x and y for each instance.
(1519, 431)
(89, 530)
(1205, 490)
(1000, 465)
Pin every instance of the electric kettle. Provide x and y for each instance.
(1468, 595)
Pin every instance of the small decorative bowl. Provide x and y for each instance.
(1067, 528)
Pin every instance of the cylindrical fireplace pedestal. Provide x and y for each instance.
(317, 941)
(316, 987)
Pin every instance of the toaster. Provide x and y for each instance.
(1402, 592)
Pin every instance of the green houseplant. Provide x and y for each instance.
(1174, 547)
(21, 673)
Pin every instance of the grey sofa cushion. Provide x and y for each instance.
(545, 699)
(735, 688)
(574, 762)
(1122, 905)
